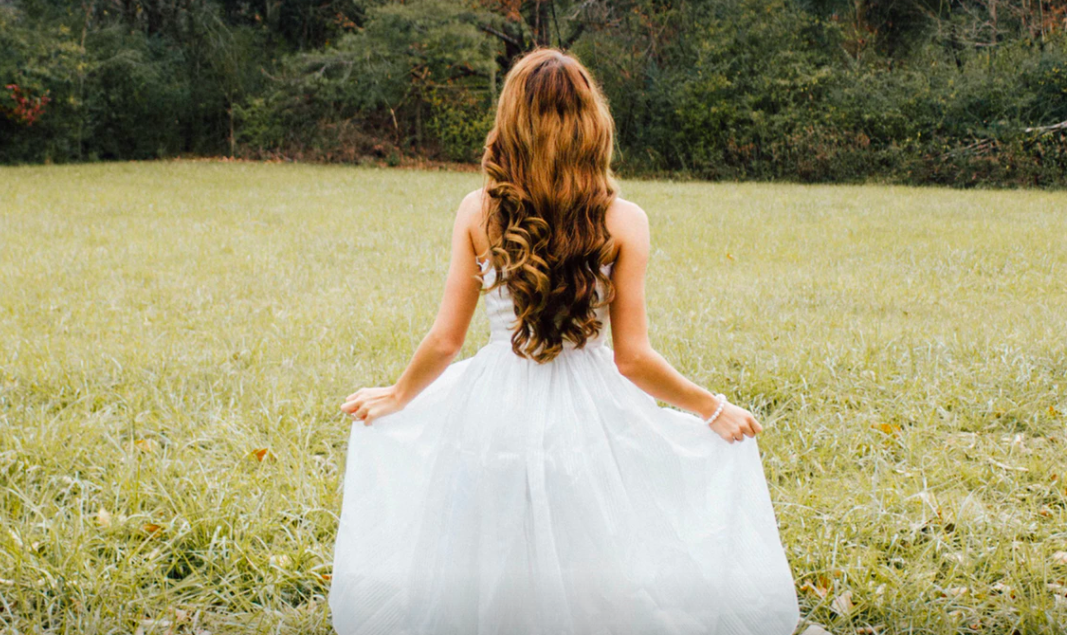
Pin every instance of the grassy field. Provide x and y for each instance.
(176, 338)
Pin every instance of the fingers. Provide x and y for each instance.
(354, 406)
(753, 427)
(351, 405)
(367, 404)
(370, 412)
(357, 399)
(732, 435)
(732, 431)
(749, 428)
(366, 409)
(365, 393)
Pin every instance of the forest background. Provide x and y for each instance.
(950, 92)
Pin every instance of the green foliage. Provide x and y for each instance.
(126, 94)
(763, 89)
(44, 61)
(414, 76)
(135, 96)
(459, 121)
(815, 90)
(756, 78)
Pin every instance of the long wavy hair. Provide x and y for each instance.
(549, 184)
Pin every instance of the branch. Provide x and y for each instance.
(268, 75)
(1045, 129)
(500, 34)
(574, 35)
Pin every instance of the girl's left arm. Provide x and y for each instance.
(446, 336)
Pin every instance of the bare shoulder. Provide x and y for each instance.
(471, 208)
(473, 200)
(626, 220)
(471, 214)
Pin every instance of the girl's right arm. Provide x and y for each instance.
(634, 355)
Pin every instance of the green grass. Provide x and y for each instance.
(161, 322)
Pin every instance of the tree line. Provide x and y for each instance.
(954, 92)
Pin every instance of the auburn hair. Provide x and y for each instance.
(549, 183)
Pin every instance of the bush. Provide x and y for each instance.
(743, 89)
(459, 122)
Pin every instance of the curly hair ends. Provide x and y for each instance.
(549, 184)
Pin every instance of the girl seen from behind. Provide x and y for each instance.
(537, 487)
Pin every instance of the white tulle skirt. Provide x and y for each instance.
(515, 498)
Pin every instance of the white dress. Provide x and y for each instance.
(517, 498)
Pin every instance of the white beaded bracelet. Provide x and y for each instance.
(718, 411)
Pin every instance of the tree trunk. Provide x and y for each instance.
(233, 140)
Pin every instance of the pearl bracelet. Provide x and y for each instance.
(718, 411)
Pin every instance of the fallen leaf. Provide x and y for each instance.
(152, 529)
(103, 518)
(1060, 557)
(954, 556)
(821, 587)
(262, 454)
(842, 604)
(888, 428)
(148, 446)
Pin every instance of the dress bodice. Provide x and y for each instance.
(501, 310)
